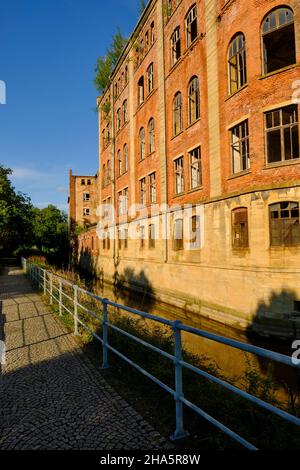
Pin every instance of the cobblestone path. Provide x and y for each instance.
(51, 396)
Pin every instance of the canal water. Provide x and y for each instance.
(231, 362)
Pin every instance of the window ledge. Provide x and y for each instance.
(145, 100)
(284, 69)
(194, 190)
(283, 163)
(193, 123)
(237, 92)
(237, 175)
(177, 135)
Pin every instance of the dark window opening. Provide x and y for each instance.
(282, 135)
(279, 47)
(178, 235)
(284, 224)
(297, 306)
(240, 237)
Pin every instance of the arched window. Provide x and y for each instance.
(237, 63)
(177, 113)
(191, 25)
(240, 238)
(194, 100)
(278, 36)
(125, 154)
(175, 46)
(119, 163)
(284, 224)
(142, 143)
(151, 135)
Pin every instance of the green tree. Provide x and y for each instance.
(15, 215)
(51, 229)
(105, 64)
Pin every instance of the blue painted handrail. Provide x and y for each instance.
(44, 279)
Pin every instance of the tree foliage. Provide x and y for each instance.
(15, 214)
(105, 64)
(22, 225)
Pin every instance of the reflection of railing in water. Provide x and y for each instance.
(46, 280)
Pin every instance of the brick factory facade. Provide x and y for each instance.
(202, 110)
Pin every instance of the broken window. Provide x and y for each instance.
(125, 158)
(237, 63)
(125, 238)
(195, 168)
(175, 45)
(240, 228)
(178, 235)
(151, 236)
(86, 196)
(278, 35)
(142, 236)
(143, 191)
(194, 101)
(119, 239)
(240, 147)
(119, 119)
(191, 25)
(282, 134)
(126, 75)
(124, 107)
(141, 90)
(195, 234)
(83, 182)
(284, 224)
(120, 203)
(151, 136)
(125, 200)
(86, 211)
(119, 163)
(150, 78)
(179, 175)
(152, 187)
(142, 144)
(89, 182)
(152, 36)
(177, 113)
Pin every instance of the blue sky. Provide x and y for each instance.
(48, 49)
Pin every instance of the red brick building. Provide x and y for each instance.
(202, 109)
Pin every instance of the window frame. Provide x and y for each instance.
(191, 166)
(188, 22)
(242, 140)
(177, 110)
(241, 69)
(280, 203)
(281, 128)
(193, 99)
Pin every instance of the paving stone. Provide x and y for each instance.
(51, 396)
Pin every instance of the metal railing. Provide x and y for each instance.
(45, 280)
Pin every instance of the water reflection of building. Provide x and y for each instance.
(200, 110)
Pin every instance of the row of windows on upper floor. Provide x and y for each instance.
(284, 229)
(282, 146)
(281, 137)
(278, 47)
(279, 51)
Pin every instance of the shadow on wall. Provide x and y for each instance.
(278, 318)
(129, 287)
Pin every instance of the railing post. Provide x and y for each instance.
(45, 280)
(105, 364)
(60, 297)
(51, 288)
(75, 310)
(180, 432)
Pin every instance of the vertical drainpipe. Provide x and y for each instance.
(162, 115)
